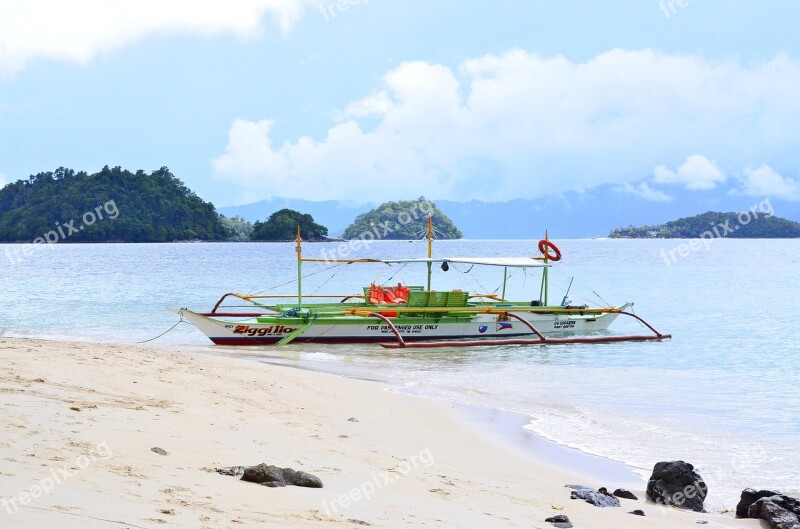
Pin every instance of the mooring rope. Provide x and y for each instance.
(181, 320)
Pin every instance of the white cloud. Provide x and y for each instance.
(645, 191)
(766, 182)
(519, 125)
(78, 30)
(697, 173)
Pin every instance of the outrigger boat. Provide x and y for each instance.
(414, 316)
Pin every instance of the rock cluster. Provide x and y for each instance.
(598, 498)
(676, 484)
(779, 511)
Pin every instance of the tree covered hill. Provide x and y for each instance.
(402, 220)
(745, 225)
(282, 226)
(110, 205)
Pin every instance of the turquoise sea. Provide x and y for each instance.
(724, 394)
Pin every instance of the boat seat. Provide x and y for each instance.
(378, 295)
(455, 298)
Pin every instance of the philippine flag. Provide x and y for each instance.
(504, 325)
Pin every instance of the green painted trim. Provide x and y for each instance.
(362, 320)
(288, 339)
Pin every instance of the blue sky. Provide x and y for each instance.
(460, 100)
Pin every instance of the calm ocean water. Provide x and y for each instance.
(724, 394)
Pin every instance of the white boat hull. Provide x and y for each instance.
(357, 329)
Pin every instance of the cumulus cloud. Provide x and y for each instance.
(766, 182)
(78, 30)
(521, 125)
(697, 172)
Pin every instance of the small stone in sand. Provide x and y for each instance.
(352, 419)
(626, 494)
(637, 512)
(561, 521)
(159, 451)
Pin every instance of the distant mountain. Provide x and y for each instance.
(593, 213)
(714, 225)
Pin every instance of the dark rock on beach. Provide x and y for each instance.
(301, 479)
(561, 521)
(263, 473)
(676, 483)
(626, 494)
(749, 497)
(637, 512)
(598, 498)
(159, 451)
(272, 476)
(776, 513)
(779, 510)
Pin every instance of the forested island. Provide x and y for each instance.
(402, 220)
(745, 225)
(282, 226)
(111, 205)
(117, 205)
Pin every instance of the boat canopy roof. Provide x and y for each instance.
(516, 262)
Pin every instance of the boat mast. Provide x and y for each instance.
(299, 250)
(543, 290)
(430, 247)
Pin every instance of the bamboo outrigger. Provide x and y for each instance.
(415, 316)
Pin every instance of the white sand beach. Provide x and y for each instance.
(80, 420)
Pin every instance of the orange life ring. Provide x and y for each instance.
(545, 247)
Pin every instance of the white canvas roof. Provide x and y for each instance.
(516, 262)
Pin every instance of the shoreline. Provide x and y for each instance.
(511, 431)
(64, 400)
